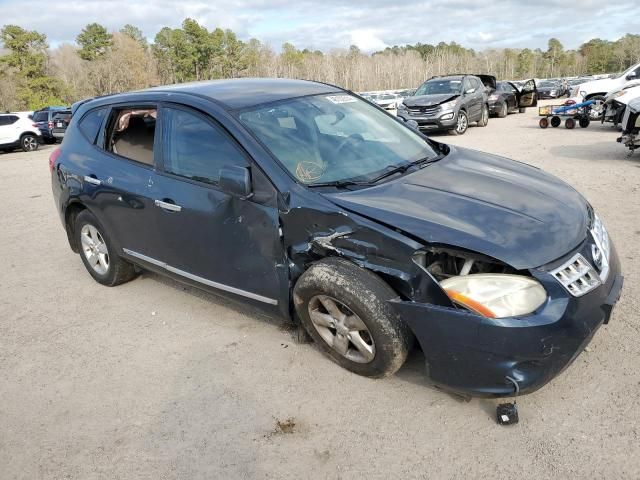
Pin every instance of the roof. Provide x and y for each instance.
(246, 92)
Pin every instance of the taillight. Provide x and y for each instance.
(50, 124)
(53, 157)
(34, 125)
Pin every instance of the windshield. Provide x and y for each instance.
(433, 87)
(548, 84)
(334, 138)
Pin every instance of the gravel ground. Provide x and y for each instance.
(155, 380)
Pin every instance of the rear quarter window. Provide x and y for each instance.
(41, 117)
(90, 124)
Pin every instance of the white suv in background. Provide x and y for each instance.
(18, 131)
(598, 89)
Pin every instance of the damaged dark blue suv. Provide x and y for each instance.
(305, 198)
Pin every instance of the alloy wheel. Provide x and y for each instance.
(30, 143)
(461, 126)
(94, 249)
(341, 329)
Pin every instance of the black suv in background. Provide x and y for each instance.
(60, 122)
(447, 103)
(44, 120)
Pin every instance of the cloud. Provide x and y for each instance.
(331, 24)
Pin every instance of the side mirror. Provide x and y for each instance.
(631, 76)
(236, 181)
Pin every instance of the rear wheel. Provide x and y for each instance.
(461, 125)
(584, 122)
(345, 309)
(522, 109)
(544, 122)
(484, 117)
(555, 122)
(503, 110)
(29, 142)
(570, 123)
(98, 253)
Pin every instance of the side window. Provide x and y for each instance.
(41, 117)
(90, 124)
(193, 147)
(466, 84)
(477, 83)
(131, 132)
(4, 120)
(13, 119)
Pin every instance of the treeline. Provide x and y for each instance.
(101, 62)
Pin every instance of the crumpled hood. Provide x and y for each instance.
(429, 100)
(491, 205)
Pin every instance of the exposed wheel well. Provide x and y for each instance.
(591, 95)
(70, 216)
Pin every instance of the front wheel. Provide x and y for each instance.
(345, 309)
(461, 125)
(29, 143)
(503, 111)
(98, 252)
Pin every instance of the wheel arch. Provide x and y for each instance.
(70, 214)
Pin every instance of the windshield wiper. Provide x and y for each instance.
(406, 166)
(338, 183)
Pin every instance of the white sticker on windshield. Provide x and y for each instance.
(341, 98)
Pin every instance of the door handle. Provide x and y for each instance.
(172, 207)
(92, 180)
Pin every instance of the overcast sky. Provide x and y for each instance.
(329, 24)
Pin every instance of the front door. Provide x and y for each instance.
(528, 94)
(209, 236)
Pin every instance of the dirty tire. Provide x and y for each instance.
(484, 116)
(570, 123)
(544, 122)
(119, 270)
(584, 122)
(556, 121)
(366, 295)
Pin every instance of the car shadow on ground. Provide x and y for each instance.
(413, 371)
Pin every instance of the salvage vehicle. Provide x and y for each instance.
(630, 137)
(18, 131)
(447, 103)
(616, 101)
(388, 101)
(597, 89)
(505, 98)
(328, 211)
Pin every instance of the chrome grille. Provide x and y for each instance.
(424, 110)
(577, 276)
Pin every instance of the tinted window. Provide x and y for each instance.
(195, 148)
(131, 133)
(437, 86)
(90, 123)
(8, 119)
(41, 117)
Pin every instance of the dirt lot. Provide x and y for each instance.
(155, 380)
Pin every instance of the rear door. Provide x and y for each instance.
(473, 98)
(209, 236)
(118, 174)
(7, 129)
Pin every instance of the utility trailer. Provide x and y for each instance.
(570, 111)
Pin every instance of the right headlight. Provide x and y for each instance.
(495, 295)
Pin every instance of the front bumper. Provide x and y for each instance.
(472, 355)
(431, 122)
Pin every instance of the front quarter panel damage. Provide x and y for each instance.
(311, 234)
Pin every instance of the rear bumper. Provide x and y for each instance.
(473, 355)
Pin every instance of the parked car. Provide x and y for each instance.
(505, 98)
(549, 89)
(306, 199)
(18, 131)
(44, 119)
(596, 90)
(60, 123)
(630, 137)
(447, 103)
(388, 101)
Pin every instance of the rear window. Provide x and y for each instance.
(8, 120)
(41, 117)
(90, 123)
(62, 116)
